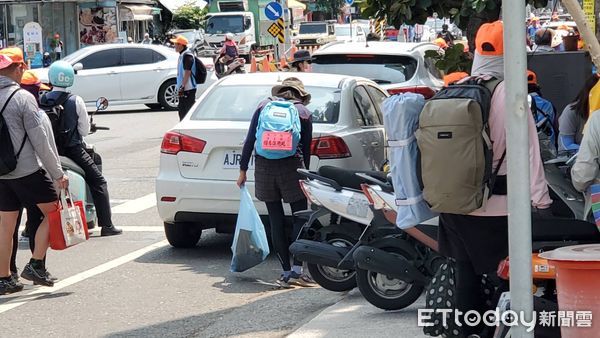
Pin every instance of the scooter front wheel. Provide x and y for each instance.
(331, 278)
(385, 292)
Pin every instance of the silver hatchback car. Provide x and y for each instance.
(200, 157)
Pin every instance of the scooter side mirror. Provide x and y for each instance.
(101, 103)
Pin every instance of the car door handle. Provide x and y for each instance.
(158, 69)
(112, 72)
(375, 144)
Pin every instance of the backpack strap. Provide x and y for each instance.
(193, 70)
(2, 113)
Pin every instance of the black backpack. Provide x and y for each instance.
(199, 72)
(8, 158)
(55, 109)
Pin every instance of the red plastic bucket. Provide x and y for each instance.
(578, 288)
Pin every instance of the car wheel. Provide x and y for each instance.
(154, 106)
(168, 96)
(182, 235)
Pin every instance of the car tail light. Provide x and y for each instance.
(174, 142)
(329, 147)
(306, 189)
(425, 91)
(168, 199)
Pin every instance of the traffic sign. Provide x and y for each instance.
(277, 30)
(350, 2)
(273, 11)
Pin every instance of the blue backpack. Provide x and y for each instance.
(278, 130)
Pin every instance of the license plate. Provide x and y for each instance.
(277, 140)
(233, 158)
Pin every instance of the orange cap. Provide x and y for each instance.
(454, 77)
(489, 40)
(5, 61)
(531, 77)
(15, 53)
(441, 43)
(29, 78)
(180, 40)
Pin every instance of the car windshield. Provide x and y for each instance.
(225, 24)
(383, 69)
(75, 55)
(237, 103)
(345, 30)
(313, 28)
(189, 35)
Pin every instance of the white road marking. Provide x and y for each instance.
(41, 291)
(136, 205)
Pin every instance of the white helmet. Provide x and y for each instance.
(229, 36)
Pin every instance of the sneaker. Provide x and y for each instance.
(37, 276)
(110, 231)
(301, 280)
(284, 282)
(10, 286)
(50, 277)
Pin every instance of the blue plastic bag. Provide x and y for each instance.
(250, 246)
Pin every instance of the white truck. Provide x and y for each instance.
(245, 19)
(315, 33)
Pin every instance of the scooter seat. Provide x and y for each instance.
(68, 164)
(347, 178)
(563, 229)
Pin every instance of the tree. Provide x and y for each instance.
(330, 6)
(189, 16)
(468, 15)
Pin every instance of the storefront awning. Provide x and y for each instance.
(296, 4)
(136, 13)
(174, 5)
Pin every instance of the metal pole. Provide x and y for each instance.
(517, 142)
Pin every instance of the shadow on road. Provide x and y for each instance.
(268, 316)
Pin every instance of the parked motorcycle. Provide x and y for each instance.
(225, 66)
(77, 187)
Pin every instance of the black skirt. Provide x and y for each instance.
(276, 180)
(482, 241)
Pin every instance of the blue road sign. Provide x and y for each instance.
(274, 11)
(350, 2)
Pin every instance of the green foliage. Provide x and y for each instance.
(329, 6)
(412, 12)
(454, 59)
(189, 16)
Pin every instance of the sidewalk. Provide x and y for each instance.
(353, 316)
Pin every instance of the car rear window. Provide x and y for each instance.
(238, 103)
(383, 69)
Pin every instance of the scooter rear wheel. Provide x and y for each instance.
(331, 278)
(385, 292)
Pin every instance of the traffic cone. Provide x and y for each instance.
(283, 63)
(253, 65)
(265, 65)
(293, 51)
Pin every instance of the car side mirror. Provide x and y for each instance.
(101, 103)
(247, 23)
(77, 67)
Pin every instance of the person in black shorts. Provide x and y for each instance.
(277, 180)
(29, 184)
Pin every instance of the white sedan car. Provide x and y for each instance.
(200, 157)
(397, 66)
(128, 74)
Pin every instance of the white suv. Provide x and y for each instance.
(200, 157)
(396, 66)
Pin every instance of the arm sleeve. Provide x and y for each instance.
(586, 170)
(568, 142)
(41, 138)
(249, 142)
(188, 62)
(306, 139)
(540, 196)
(567, 122)
(83, 121)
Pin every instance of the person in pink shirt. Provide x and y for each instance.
(479, 241)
